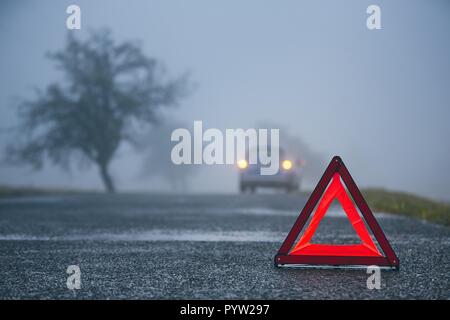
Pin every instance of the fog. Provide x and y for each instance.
(379, 99)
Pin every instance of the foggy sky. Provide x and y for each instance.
(379, 99)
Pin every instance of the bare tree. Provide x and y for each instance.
(156, 148)
(109, 92)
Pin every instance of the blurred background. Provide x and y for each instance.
(379, 99)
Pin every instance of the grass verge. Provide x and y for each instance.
(408, 205)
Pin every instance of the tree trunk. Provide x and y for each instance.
(106, 178)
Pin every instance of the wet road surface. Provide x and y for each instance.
(201, 247)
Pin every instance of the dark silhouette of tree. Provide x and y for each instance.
(156, 147)
(108, 94)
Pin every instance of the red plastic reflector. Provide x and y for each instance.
(329, 188)
(336, 190)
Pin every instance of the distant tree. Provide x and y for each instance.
(156, 147)
(108, 94)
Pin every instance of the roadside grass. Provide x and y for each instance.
(408, 204)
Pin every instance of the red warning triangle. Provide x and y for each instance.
(330, 187)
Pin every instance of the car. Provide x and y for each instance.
(287, 178)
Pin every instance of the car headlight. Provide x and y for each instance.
(242, 164)
(287, 164)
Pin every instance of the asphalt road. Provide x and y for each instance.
(201, 247)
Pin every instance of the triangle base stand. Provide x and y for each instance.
(332, 261)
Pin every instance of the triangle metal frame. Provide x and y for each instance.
(283, 258)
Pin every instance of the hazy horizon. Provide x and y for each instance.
(379, 99)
